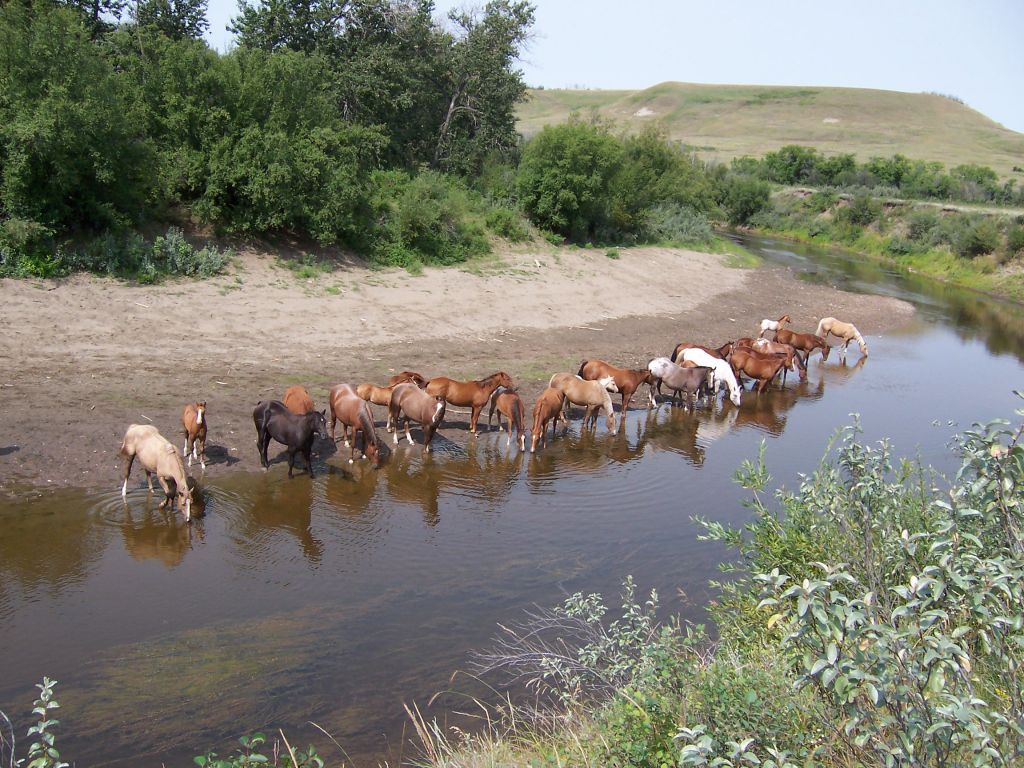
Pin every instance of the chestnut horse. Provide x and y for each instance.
(689, 381)
(408, 401)
(475, 394)
(296, 431)
(773, 325)
(297, 400)
(354, 413)
(404, 376)
(510, 404)
(371, 393)
(846, 331)
(805, 342)
(158, 457)
(193, 419)
(627, 380)
(793, 359)
(593, 395)
(548, 408)
(761, 366)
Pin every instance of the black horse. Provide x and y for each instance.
(296, 431)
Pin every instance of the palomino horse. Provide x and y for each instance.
(722, 369)
(158, 457)
(297, 400)
(408, 401)
(354, 413)
(474, 394)
(293, 430)
(689, 381)
(763, 366)
(548, 408)
(846, 331)
(193, 419)
(404, 376)
(371, 393)
(805, 342)
(593, 395)
(509, 404)
(627, 380)
(773, 325)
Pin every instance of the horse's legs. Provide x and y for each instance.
(308, 453)
(473, 417)
(408, 434)
(262, 442)
(149, 480)
(168, 496)
(127, 471)
(428, 435)
(291, 459)
(352, 452)
(202, 452)
(334, 420)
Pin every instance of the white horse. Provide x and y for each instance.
(846, 331)
(722, 369)
(773, 325)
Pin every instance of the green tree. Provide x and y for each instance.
(742, 197)
(483, 87)
(178, 19)
(565, 177)
(791, 164)
(100, 16)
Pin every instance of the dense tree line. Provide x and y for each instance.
(111, 119)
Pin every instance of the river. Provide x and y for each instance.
(338, 600)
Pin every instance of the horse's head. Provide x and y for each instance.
(185, 498)
(200, 411)
(784, 319)
(608, 382)
(438, 414)
(825, 349)
(320, 423)
(504, 380)
(734, 394)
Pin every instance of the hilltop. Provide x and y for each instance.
(726, 121)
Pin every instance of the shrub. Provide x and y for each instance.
(27, 249)
(862, 210)
(1015, 238)
(743, 197)
(508, 224)
(675, 223)
(977, 238)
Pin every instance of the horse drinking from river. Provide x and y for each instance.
(509, 404)
(805, 342)
(295, 431)
(593, 395)
(722, 369)
(158, 457)
(846, 331)
(627, 380)
(548, 408)
(354, 413)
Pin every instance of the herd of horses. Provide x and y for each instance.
(690, 372)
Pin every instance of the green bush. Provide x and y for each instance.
(977, 238)
(508, 224)
(742, 197)
(27, 249)
(1015, 238)
(676, 223)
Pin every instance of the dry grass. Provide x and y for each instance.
(726, 121)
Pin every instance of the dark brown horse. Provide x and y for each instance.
(509, 404)
(295, 431)
(548, 408)
(193, 420)
(626, 379)
(763, 367)
(354, 413)
(404, 376)
(408, 401)
(474, 394)
(805, 342)
(297, 400)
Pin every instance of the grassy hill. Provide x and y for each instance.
(726, 121)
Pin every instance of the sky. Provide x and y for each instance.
(971, 50)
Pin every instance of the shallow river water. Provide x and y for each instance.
(335, 601)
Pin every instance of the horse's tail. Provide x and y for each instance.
(675, 352)
(821, 327)
(583, 364)
(518, 414)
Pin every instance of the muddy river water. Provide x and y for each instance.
(335, 601)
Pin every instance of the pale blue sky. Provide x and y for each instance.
(972, 50)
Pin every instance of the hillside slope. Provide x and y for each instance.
(726, 121)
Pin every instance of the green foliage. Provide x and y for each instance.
(177, 19)
(426, 219)
(1015, 238)
(791, 164)
(250, 754)
(862, 210)
(42, 752)
(677, 224)
(612, 253)
(977, 238)
(742, 197)
(508, 223)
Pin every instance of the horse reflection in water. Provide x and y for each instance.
(280, 506)
(587, 452)
(159, 536)
(482, 470)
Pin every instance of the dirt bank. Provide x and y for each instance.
(85, 357)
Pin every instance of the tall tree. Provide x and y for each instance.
(483, 86)
(100, 15)
(178, 19)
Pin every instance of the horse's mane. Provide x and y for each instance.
(488, 379)
(366, 422)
